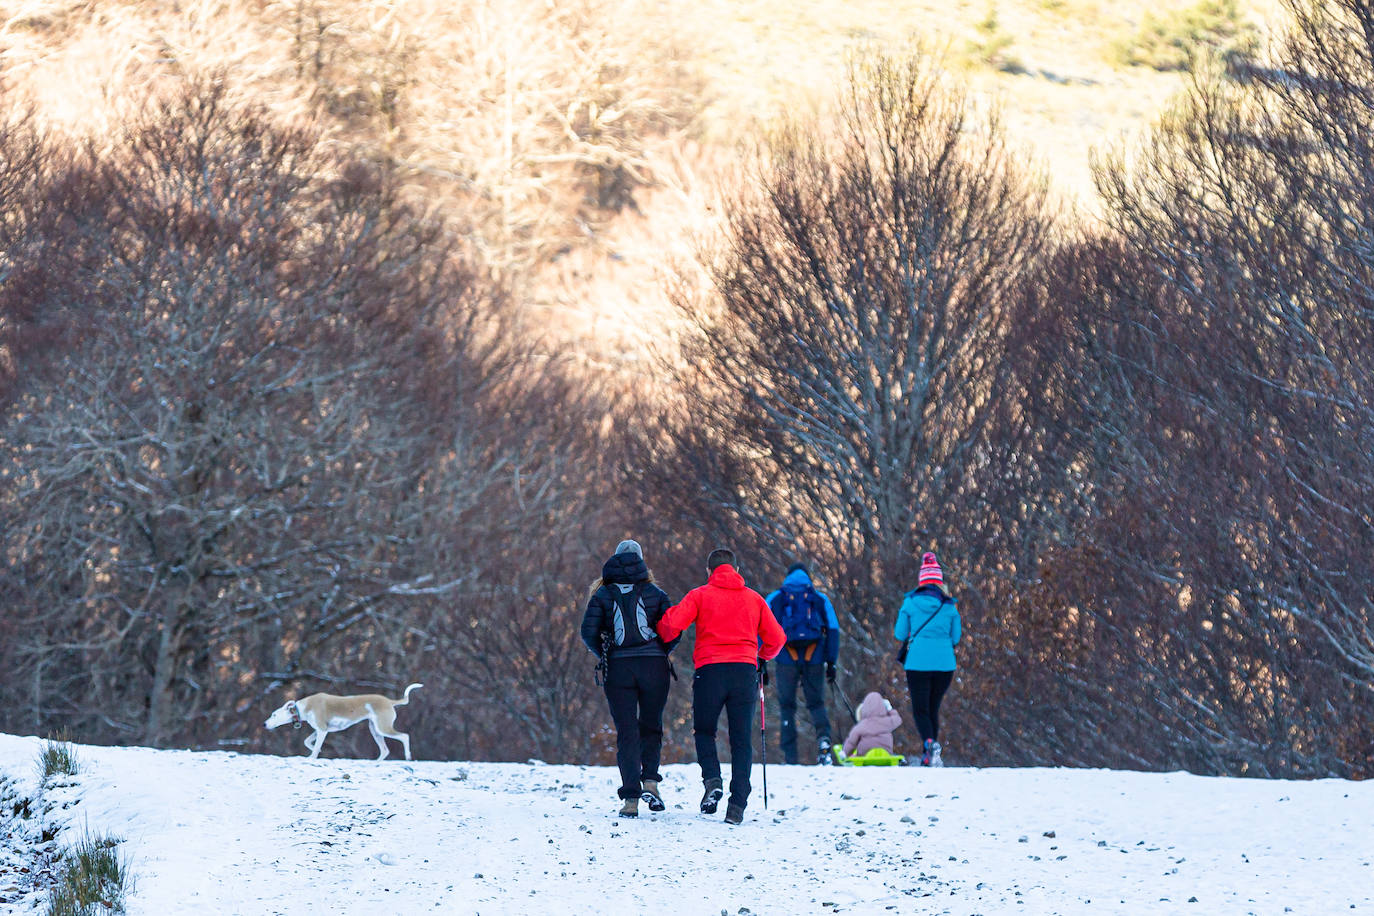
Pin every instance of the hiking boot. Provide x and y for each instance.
(927, 751)
(734, 814)
(630, 808)
(935, 760)
(824, 758)
(650, 795)
(714, 790)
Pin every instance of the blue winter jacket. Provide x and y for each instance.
(933, 647)
(797, 580)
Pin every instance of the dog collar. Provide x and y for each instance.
(295, 714)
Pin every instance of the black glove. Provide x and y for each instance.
(830, 672)
(763, 673)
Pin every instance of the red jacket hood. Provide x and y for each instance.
(725, 577)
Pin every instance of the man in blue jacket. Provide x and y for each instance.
(813, 648)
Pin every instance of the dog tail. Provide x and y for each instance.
(406, 696)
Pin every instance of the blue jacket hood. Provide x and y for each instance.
(796, 580)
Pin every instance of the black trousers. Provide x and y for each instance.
(637, 691)
(734, 687)
(811, 676)
(927, 689)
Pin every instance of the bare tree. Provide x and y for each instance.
(1209, 599)
(840, 389)
(25, 155)
(274, 372)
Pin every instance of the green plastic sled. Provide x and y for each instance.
(875, 757)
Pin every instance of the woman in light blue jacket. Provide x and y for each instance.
(928, 627)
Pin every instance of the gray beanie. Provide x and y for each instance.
(632, 546)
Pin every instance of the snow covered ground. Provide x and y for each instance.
(226, 833)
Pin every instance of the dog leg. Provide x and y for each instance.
(381, 742)
(319, 743)
(385, 724)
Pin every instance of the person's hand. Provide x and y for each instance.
(763, 672)
(830, 672)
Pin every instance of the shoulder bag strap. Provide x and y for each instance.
(938, 609)
(906, 646)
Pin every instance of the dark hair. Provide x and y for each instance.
(721, 556)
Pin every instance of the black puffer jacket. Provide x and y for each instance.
(624, 569)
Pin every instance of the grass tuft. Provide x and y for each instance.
(58, 758)
(91, 879)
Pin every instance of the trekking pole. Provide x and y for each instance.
(763, 730)
(835, 687)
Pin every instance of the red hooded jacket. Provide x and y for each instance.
(730, 619)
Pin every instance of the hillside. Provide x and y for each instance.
(580, 144)
(1054, 66)
(224, 833)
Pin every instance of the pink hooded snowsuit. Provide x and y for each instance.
(877, 721)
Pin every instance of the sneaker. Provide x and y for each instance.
(935, 760)
(927, 751)
(824, 758)
(734, 814)
(651, 797)
(714, 790)
(630, 808)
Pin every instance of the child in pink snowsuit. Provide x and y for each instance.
(877, 721)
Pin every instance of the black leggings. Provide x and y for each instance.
(637, 690)
(927, 689)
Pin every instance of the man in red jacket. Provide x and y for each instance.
(732, 621)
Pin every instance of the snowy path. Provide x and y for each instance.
(224, 833)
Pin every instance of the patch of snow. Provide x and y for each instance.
(229, 833)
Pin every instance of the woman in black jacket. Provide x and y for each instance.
(624, 608)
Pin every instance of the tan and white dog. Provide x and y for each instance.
(327, 713)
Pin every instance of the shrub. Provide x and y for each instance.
(13, 803)
(991, 47)
(1172, 41)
